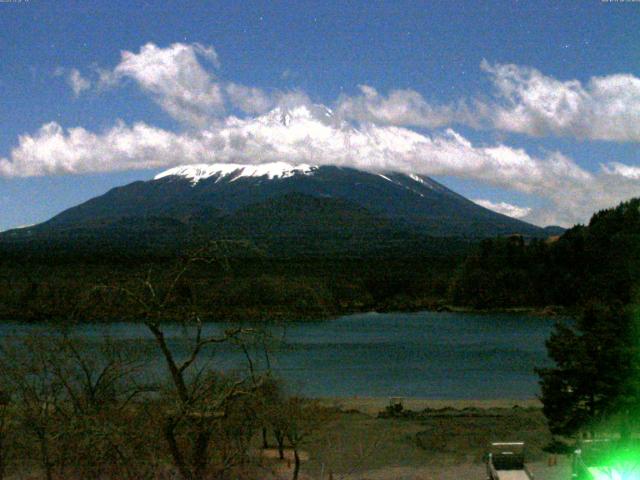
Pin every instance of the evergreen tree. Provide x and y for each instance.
(596, 372)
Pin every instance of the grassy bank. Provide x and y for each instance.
(432, 439)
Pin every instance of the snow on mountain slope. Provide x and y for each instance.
(234, 171)
(199, 195)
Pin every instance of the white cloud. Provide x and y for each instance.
(309, 134)
(77, 82)
(176, 80)
(52, 150)
(400, 108)
(606, 108)
(249, 99)
(626, 171)
(208, 53)
(504, 208)
(74, 78)
(106, 78)
(524, 101)
(287, 126)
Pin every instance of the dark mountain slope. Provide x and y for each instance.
(279, 206)
(415, 200)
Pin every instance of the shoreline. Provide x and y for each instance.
(373, 405)
(291, 318)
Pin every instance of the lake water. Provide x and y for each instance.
(424, 354)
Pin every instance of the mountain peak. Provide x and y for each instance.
(219, 197)
(233, 171)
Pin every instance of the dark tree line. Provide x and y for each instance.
(597, 262)
(594, 383)
(254, 287)
(595, 380)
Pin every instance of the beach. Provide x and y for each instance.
(429, 439)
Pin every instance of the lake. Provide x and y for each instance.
(425, 354)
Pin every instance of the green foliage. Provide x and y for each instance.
(595, 379)
(254, 287)
(499, 273)
(599, 262)
(596, 372)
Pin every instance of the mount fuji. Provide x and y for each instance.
(279, 205)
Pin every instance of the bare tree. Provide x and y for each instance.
(198, 395)
(268, 390)
(71, 397)
(100, 382)
(5, 400)
(303, 418)
(26, 372)
(276, 416)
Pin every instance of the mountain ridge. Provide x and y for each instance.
(294, 201)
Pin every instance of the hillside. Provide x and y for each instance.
(598, 262)
(286, 208)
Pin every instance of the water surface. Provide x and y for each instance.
(425, 354)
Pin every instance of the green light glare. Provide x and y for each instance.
(623, 465)
(606, 473)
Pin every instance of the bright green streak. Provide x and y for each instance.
(605, 473)
(624, 465)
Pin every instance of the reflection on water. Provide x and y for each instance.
(425, 354)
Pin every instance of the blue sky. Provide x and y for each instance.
(531, 107)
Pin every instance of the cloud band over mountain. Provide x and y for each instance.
(229, 122)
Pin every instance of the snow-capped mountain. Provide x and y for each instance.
(233, 171)
(290, 198)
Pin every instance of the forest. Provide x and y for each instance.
(594, 262)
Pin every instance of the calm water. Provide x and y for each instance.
(425, 354)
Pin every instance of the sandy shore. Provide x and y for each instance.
(373, 405)
(468, 471)
(435, 447)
